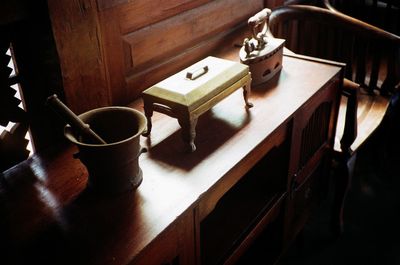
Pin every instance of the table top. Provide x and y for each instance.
(47, 214)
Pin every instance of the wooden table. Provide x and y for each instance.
(261, 167)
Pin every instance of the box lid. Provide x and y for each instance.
(199, 82)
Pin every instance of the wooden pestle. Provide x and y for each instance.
(72, 119)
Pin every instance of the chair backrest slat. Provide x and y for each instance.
(347, 46)
(392, 77)
(376, 54)
(360, 52)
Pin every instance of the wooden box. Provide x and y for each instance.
(194, 90)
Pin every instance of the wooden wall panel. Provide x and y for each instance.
(78, 39)
(170, 37)
(141, 13)
(105, 4)
(273, 3)
(111, 50)
(142, 80)
(138, 42)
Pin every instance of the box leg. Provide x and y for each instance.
(148, 112)
(188, 132)
(246, 93)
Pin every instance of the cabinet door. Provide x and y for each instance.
(247, 208)
(312, 143)
(305, 195)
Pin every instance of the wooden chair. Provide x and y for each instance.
(372, 75)
(384, 14)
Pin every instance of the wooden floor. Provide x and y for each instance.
(372, 212)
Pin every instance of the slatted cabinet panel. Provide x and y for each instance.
(311, 153)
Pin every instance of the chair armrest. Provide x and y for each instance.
(350, 90)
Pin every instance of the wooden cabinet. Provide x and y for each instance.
(255, 175)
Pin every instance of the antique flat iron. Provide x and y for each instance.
(262, 53)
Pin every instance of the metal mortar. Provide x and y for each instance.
(113, 167)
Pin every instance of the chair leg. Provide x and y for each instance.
(343, 174)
